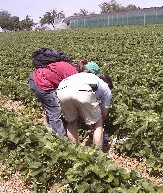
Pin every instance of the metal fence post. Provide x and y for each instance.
(127, 19)
(117, 20)
(112, 20)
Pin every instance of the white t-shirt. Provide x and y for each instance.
(82, 81)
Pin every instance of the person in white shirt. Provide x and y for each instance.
(88, 96)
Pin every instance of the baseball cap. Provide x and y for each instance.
(93, 67)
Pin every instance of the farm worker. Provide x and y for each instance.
(88, 96)
(45, 80)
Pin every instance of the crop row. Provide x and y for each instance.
(132, 56)
(43, 160)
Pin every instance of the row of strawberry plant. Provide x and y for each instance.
(132, 56)
(44, 159)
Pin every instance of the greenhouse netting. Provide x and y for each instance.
(116, 19)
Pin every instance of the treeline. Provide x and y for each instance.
(12, 23)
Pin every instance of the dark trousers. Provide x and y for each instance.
(50, 104)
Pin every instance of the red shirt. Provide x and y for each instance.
(49, 79)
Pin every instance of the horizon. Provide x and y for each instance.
(36, 9)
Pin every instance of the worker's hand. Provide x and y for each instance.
(79, 66)
(83, 62)
(104, 113)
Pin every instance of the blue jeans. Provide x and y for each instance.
(50, 104)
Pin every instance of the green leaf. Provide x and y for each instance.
(35, 165)
(146, 142)
(128, 146)
(110, 178)
(83, 187)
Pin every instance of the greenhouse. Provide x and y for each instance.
(134, 17)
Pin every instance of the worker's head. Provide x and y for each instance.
(92, 67)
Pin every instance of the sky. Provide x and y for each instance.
(37, 8)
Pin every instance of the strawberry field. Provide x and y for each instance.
(133, 57)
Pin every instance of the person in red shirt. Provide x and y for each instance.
(44, 81)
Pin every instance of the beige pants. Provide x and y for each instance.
(75, 103)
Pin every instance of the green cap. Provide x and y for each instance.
(93, 67)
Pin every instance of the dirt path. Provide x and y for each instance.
(15, 184)
(132, 163)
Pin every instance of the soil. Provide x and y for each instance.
(15, 184)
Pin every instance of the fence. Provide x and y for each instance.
(129, 18)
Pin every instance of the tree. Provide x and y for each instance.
(113, 6)
(83, 12)
(13, 23)
(8, 22)
(26, 24)
(132, 7)
(52, 18)
(4, 19)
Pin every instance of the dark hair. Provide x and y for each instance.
(106, 79)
